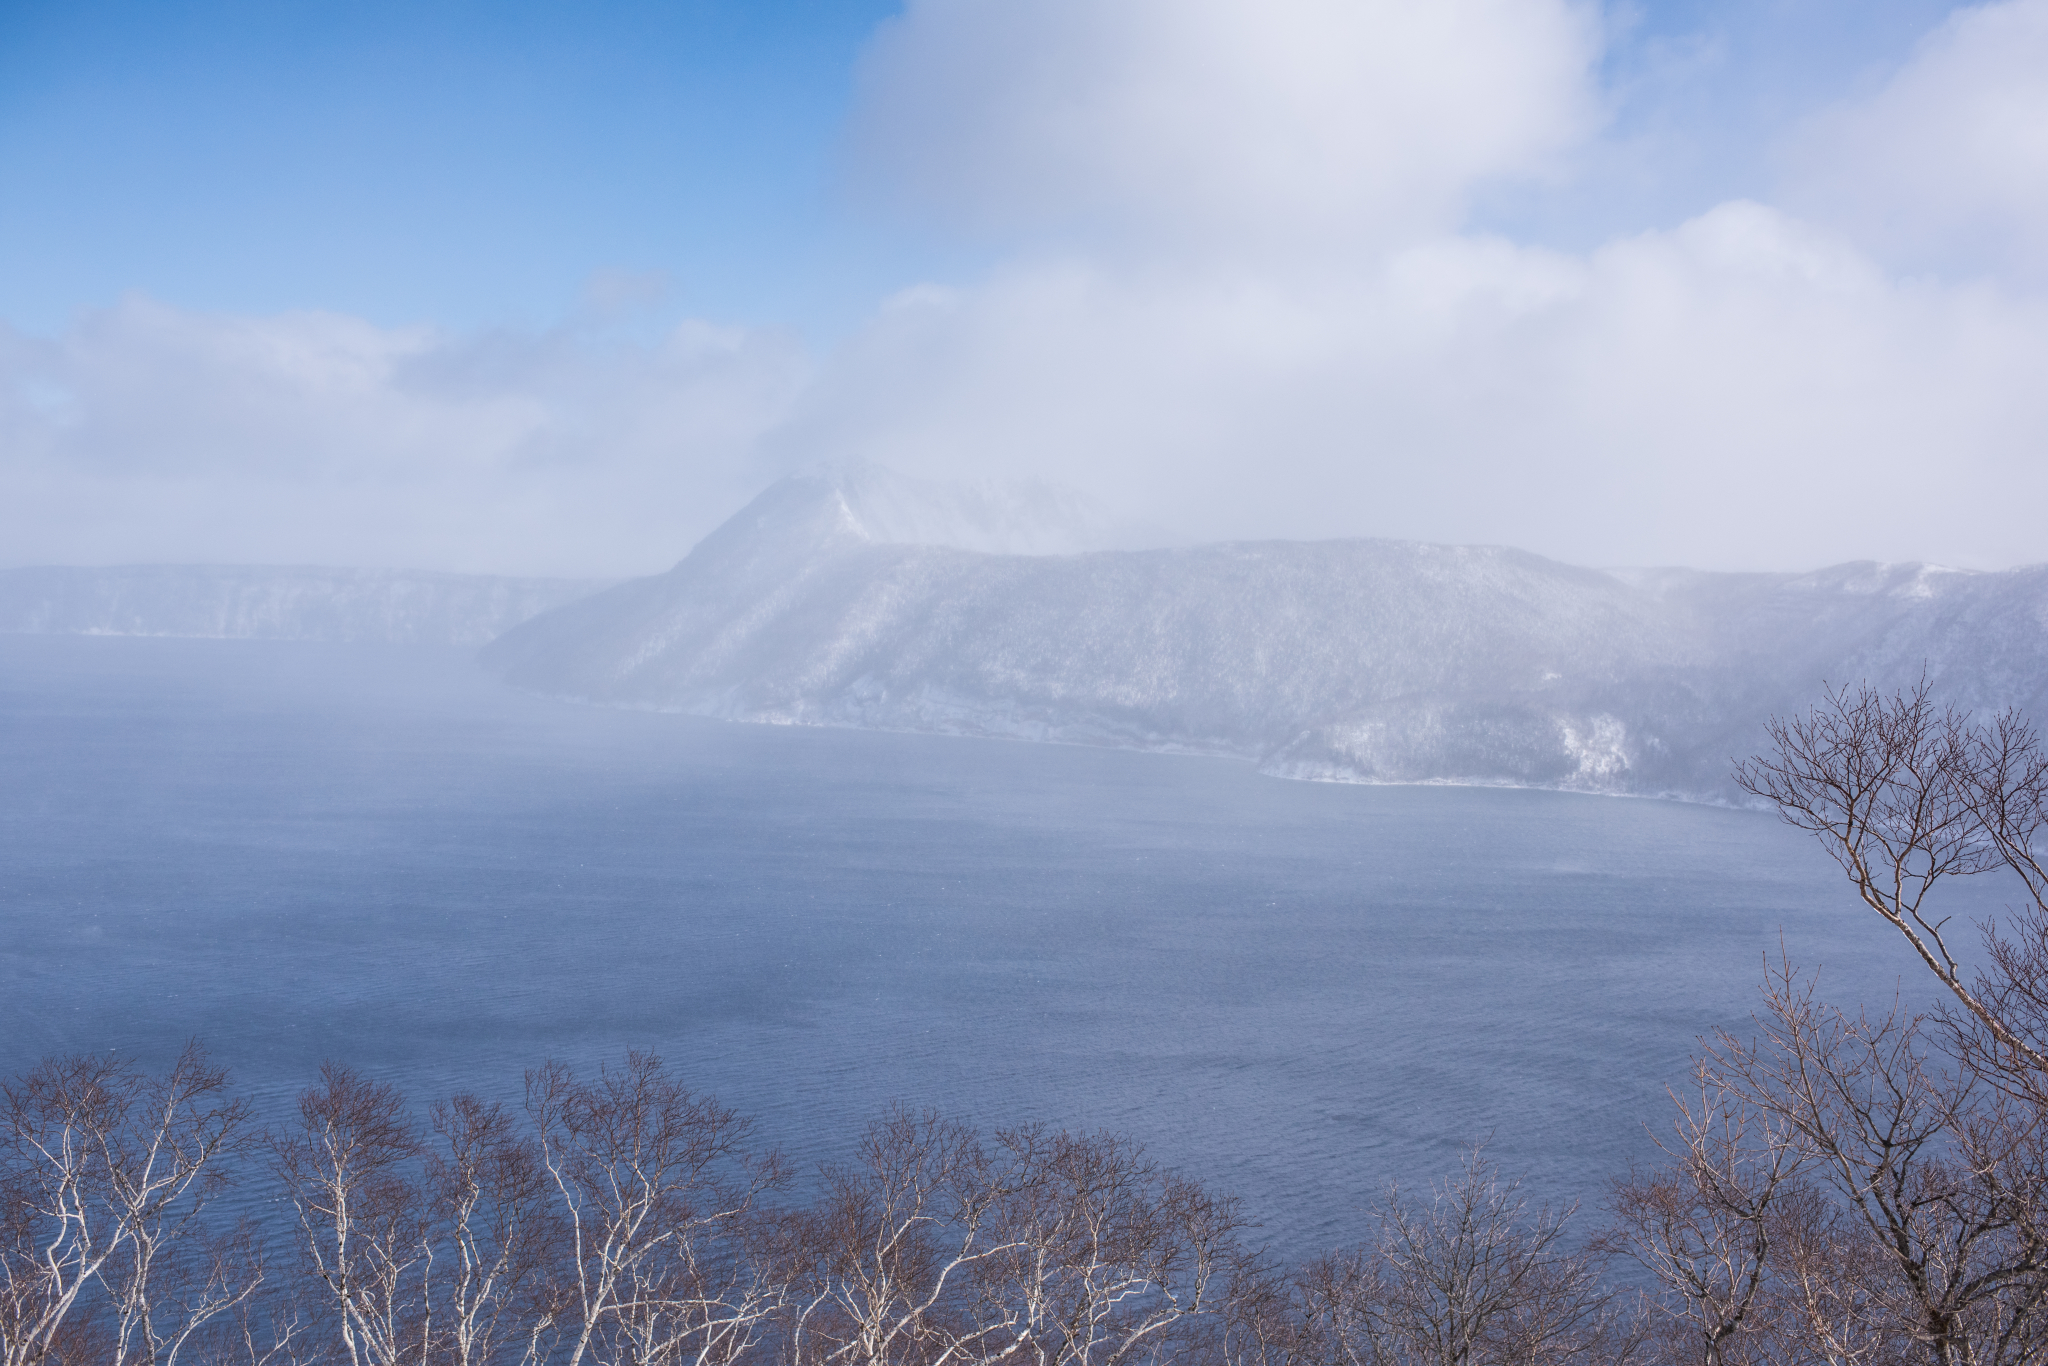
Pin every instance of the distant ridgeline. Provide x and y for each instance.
(260, 602)
(866, 599)
(849, 601)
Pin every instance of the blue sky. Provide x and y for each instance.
(554, 288)
(459, 163)
(469, 164)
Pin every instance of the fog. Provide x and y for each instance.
(1283, 271)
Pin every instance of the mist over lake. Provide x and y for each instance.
(1298, 991)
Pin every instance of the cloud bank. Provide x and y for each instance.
(1741, 391)
(151, 434)
(1945, 168)
(1240, 294)
(1336, 125)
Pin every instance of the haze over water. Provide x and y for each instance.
(1297, 991)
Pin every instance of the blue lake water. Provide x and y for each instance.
(1296, 991)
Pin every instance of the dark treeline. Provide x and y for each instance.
(1837, 1186)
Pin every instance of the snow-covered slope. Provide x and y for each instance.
(1365, 660)
(269, 603)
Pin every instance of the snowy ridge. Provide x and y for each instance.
(248, 602)
(1347, 660)
(995, 518)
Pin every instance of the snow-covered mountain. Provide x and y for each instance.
(1027, 518)
(827, 601)
(270, 603)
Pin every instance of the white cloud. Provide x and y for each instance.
(1737, 390)
(1247, 305)
(1742, 391)
(1946, 165)
(149, 433)
(1189, 121)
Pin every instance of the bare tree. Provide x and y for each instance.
(2008, 795)
(1275, 1317)
(1102, 1257)
(364, 1229)
(59, 1223)
(273, 1328)
(1703, 1224)
(490, 1197)
(1473, 1277)
(106, 1172)
(1038, 1246)
(1905, 795)
(164, 1169)
(1339, 1296)
(886, 1258)
(1943, 1174)
(622, 1221)
(1934, 1144)
(1828, 1280)
(656, 1189)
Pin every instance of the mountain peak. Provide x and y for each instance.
(1025, 517)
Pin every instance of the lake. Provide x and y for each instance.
(1299, 992)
